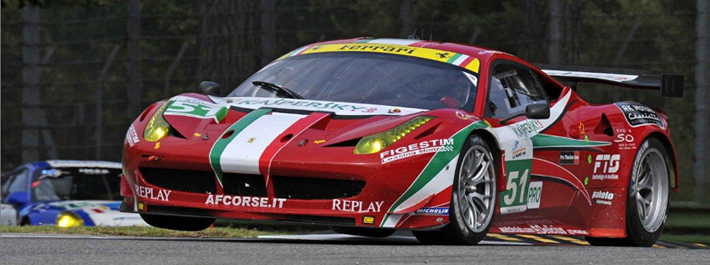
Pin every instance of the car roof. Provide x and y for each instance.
(80, 163)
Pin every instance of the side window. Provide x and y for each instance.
(15, 182)
(512, 87)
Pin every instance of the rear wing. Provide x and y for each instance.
(670, 84)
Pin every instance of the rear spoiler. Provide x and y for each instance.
(670, 84)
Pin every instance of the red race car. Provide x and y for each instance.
(371, 135)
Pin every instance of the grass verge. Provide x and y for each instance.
(215, 232)
(704, 239)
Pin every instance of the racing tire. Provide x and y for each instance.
(178, 222)
(648, 197)
(473, 198)
(363, 231)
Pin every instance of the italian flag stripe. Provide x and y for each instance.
(453, 58)
(221, 144)
(460, 60)
(466, 61)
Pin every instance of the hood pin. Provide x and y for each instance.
(302, 142)
(205, 136)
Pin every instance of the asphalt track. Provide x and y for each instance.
(330, 249)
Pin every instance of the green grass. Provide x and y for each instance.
(688, 221)
(215, 232)
(704, 239)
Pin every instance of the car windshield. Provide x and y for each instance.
(371, 78)
(54, 184)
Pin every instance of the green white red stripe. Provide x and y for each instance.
(221, 144)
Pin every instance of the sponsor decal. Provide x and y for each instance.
(157, 145)
(378, 48)
(196, 109)
(141, 206)
(357, 206)
(603, 197)
(569, 158)
(534, 229)
(518, 150)
(368, 220)
(319, 141)
(472, 78)
(398, 48)
(433, 211)
(244, 201)
(524, 128)
(150, 193)
(534, 194)
(625, 139)
(515, 197)
(605, 166)
(637, 114)
(319, 105)
(132, 136)
(423, 147)
(576, 232)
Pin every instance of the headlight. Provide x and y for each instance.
(157, 127)
(69, 219)
(376, 142)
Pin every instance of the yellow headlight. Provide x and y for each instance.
(157, 127)
(69, 219)
(376, 142)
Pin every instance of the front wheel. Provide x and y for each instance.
(648, 197)
(473, 198)
(178, 222)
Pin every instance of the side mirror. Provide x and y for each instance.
(209, 88)
(537, 111)
(18, 198)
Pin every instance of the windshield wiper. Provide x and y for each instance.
(278, 89)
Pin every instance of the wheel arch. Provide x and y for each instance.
(24, 220)
(497, 151)
(674, 172)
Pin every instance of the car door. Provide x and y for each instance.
(512, 87)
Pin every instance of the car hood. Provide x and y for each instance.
(193, 114)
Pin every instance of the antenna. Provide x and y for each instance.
(229, 71)
(431, 29)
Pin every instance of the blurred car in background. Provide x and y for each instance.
(65, 193)
(8, 215)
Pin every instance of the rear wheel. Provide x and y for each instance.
(648, 197)
(178, 222)
(363, 231)
(473, 198)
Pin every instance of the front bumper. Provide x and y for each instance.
(343, 190)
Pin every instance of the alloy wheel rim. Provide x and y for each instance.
(651, 190)
(476, 191)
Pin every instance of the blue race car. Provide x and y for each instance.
(66, 193)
